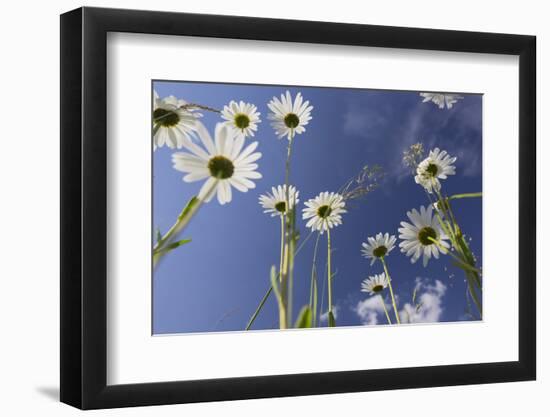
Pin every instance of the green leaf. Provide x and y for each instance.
(465, 195)
(173, 246)
(158, 235)
(305, 318)
(331, 320)
(188, 207)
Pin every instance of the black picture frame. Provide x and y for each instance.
(84, 207)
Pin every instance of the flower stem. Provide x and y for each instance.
(182, 221)
(329, 277)
(282, 247)
(270, 289)
(284, 272)
(391, 290)
(385, 309)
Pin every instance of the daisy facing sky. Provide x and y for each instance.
(173, 125)
(289, 117)
(378, 246)
(274, 203)
(418, 237)
(324, 211)
(437, 166)
(375, 284)
(441, 100)
(242, 117)
(223, 163)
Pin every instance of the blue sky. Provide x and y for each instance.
(216, 282)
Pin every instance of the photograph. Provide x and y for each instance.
(290, 207)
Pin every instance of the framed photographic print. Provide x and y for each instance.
(256, 208)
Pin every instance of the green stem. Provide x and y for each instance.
(260, 306)
(270, 289)
(461, 263)
(182, 221)
(282, 246)
(391, 290)
(284, 271)
(313, 282)
(385, 309)
(329, 274)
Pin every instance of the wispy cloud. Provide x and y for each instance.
(428, 306)
(370, 311)
(359, 121)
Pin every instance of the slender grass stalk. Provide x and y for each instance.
(283, 317)
(329, 278)
(258, 309)
(313, 282)
(270, 289)
(282, 246)
(385, 309)
(391, 290)
(474, 295)
(464, 258)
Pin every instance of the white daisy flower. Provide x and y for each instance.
(375, 284)
(438, 165)
(275, 203)
(417, 237)
(242, 117)
(324, 211)
(289, 118)
(378, 246)
(173, 125)
(224, 162)
(441, 100)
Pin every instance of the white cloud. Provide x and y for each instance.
(428, 308)
(429, 298)
(370, 311)
(324, 316)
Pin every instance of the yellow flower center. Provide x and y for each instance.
(220, 167)
(165, 118)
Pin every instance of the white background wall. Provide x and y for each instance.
(29, 237)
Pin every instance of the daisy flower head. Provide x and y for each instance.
(324, 211)
(378, 246)
(289, 117)
(173, 124)
(224, 162)
(423, 237)
(437, 166)
(242, 117)
(275, 203)
(375, 284)
(441, 100)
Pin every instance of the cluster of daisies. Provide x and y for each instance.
(224, 162)
(228, 161)
(421, 237)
